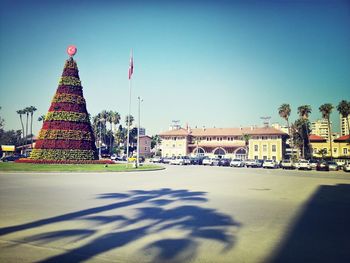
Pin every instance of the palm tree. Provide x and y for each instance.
(326, 110)
(246, 137)
(115, 121)
(284, 111)
(297, 135)
(95, 125)
(1, 122)
(344, 109)
(131, 120)
(103, 121)
(322, 152)
(21, 112)
(110, 116)
(26, 111)
(41, 118)
(304, 112)
(32, 109)
(116, 118)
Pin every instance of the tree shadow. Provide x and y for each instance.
(157, 211)
(321, 232)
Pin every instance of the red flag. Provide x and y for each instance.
(131, 66)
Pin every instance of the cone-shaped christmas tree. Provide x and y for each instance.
(66, 134)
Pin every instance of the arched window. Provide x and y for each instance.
(219, 151)
(201, 151)
(241, 153)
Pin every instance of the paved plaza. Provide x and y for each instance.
(180, 214)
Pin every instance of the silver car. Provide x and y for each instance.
(303, 165)
(346, 167)
(287, 164)
(333, 166)
(237, 163)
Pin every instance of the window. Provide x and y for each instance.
(145, 148)
(264, 148)
(335, 150)
(256, 157)
(273, 148)
(256, 148)
(265, 157)
(345, 150)
(274, 158)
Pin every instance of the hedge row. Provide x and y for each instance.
(27, 160)
(70, 90)
(70, 98)
(70, 81)
(67, 125)
(65, 106)
(66, 116)
(64, 135)
(61, 154)
(64, 144)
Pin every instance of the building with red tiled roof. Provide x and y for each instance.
(263, 143)
(345, 138)
(340, 146)
(316, 138)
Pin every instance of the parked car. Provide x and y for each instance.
(211, 161)
(259, 163)
(251, 163)
(196, 160)
(270, 164)
(237, 163)
(224, 162)
(287, 164)
(333, 166)
(313, 163)
(303, 165)
(157, 159)
(167, 159)
(346, 167)
(181, 160)
(12, 158)
(322, 166)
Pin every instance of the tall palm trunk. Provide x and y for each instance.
(291, 138)
(20, 117)
(110, 140)
(31, 128)
(330, 137)
(26, 139)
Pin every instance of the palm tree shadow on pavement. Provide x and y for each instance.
(155, 211)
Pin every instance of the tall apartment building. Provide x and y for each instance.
(344, 128)
(320, 128)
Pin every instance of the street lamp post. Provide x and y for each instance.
(100, 142)
(138, 132)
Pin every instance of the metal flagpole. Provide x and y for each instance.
(131, 68)
(127, 143)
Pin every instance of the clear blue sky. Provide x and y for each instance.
(212, 63)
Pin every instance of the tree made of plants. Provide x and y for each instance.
(66, 135)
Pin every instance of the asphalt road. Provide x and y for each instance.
(181, 214)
